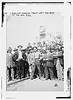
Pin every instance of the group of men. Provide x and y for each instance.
(33, 62)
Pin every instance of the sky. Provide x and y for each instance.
(24, 29)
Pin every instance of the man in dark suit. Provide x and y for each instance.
(50, 64)
(25, 67)
(15, 62)
(20, 61)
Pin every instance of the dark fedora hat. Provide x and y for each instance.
(23, 50)
(20, 46)
(15, 49)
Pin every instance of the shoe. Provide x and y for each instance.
(56, 85)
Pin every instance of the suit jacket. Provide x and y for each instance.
(60, 59)
(24, 56)
(15, 56)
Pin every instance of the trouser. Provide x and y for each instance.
(31, 68)
(23, 68)
(42, 70)
(23, 74)
(62, 66)
(55, 71)
(45, 70)
(59, 72)
(36, 65)
(51, 72)
(26, 69)
(20, 68)
(14, 72)
(9, 73)
(19, 72)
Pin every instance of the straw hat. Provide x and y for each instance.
(15, 49)
(20, 46)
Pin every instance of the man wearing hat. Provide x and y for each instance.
(25, 67)
(19, 51)
(59, 63)
(14, 61)
(20, 61)
(36, 63)
(30, 59)
(50, 64)
(9, 63)
(29, 47)
(45, 68)
(15, 55)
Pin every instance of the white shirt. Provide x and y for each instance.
(30, 58)
(33, 57)
(58, 65)
(37, 54)
(20, 55)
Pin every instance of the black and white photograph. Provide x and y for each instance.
(37, 49)
(35, 52)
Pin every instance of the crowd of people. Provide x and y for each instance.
(33, 62)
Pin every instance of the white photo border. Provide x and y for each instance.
(67, 31)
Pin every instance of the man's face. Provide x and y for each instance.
(38, 50)
(30, 51)
(10, 50)
(35, 49)
(20, 48)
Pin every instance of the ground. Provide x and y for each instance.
(37, 85)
